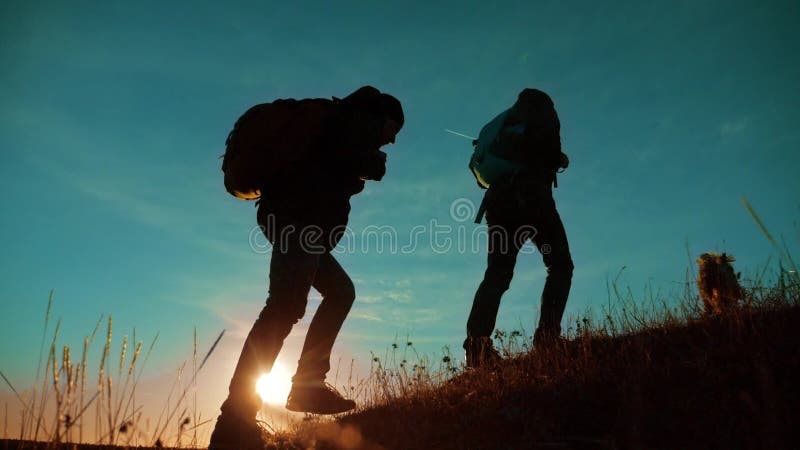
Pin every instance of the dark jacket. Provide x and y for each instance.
(317, 191)
(539, 147)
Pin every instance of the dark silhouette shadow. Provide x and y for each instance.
(301, 160)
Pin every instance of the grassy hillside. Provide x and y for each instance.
(30, 445)
(643, 380)
(656, 378)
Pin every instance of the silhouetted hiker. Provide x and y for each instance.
(517, 156)
(324, 151)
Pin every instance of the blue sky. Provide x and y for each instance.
(113, 115)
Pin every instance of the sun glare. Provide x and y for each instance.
(274, 387)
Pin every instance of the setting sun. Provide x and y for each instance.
(273, 387)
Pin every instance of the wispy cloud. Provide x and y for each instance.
(70, 153)
(426, 315)
(363, 315)
(399, 296)
(734, 127)
(369, 299)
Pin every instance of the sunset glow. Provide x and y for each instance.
(273, 387)
(128, 260)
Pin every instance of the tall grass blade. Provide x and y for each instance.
(45, 390)
(760, 224)
(101, 375)
(147, 356)
(86, 406)
(104, 357)
(22, 402)
(210, 351)
(784, 255)
(124, 392)
(86, 343)
(191, 382)
(194, 386)
(41, 351)
(166, 409)
(122, 355)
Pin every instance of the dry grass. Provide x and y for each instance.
(63, 405)
(641, 377)
(654, 374)
(38, 445)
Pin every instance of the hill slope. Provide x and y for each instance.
(707, 383)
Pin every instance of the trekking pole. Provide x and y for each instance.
(460, 134)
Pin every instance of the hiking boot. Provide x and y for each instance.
(480, 352)
(232, 433)
(317, 398)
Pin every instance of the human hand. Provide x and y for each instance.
(373, 165)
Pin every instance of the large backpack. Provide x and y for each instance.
(525, 134)
(270, 139)
(489, 162)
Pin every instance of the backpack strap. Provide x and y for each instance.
(484, 204)
(481, 209)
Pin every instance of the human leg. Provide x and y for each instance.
(338, 295)
(502, 256)
(292, 271)
(551, 240)
(309, 392)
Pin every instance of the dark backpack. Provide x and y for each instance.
(525, 135)
(531, 132)
(269, 140)
(488, 163)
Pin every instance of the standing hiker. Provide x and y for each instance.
(304, 159)
(517, 156)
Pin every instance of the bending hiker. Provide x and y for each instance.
(517, 156)
(304, 159)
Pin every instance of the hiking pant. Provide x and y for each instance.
(295, 266)
(516, 215)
